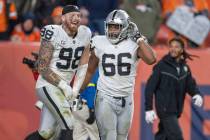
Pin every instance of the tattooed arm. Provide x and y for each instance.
(45, 56)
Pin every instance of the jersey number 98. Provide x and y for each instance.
(47, 34)
(66, 54)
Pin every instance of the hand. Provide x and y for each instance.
(150, 116)
(75, 95)
(76, 104)
(67, 90)
(91, 117)
(133, 32)
(39, 104)
(198, 100)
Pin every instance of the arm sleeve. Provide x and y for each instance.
(95, 77)
(151, 87)
(90, 91)
(192, 87)
(79, 78)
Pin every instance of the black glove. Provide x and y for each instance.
(30, 63)
(133, 32)
(91, 118)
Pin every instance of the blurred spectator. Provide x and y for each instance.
(197, 6)
(24, 6)
(85, 16)
(8, 16)
(146, 14)
(43, 10)
(26, 30)
(57, 12)
(56, 15)
(208, 2)
(98, 11)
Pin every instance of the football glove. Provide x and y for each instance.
(133, 32)
(150, 116)
(91, 117)
(198, 100)
(66, 88)
(39, 104)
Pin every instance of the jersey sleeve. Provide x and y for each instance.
(94, 46)
(86, 34)
(48, 33)
(89, 34)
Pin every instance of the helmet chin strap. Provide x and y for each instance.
(117, 42)
(123, 34)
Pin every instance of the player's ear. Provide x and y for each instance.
(63, 18)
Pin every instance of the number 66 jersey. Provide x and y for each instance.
(67, 51)
(117, 66)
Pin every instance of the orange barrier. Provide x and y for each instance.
(18, 115)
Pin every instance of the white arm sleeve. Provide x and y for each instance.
(79, 78)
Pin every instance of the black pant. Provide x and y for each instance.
(4, 36)
(169, 129)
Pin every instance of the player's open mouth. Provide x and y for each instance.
(75, 23)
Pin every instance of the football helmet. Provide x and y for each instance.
(119, 19)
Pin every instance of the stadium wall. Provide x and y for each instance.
(18, 115)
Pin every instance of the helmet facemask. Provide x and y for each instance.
(116, 28)
(113, 32)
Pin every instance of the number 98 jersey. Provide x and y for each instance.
(117, 66)
(67, 50)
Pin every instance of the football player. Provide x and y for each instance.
(64, 50)
(117, 54)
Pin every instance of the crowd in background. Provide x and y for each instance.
(22, 20)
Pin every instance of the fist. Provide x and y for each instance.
(66, 89)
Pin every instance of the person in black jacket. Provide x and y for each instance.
(170, 81)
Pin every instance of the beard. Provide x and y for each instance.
(72, 27)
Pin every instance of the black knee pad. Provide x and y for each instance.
(66, 135)
(34, 136)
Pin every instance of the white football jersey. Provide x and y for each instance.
(117, 66)
(67, 51)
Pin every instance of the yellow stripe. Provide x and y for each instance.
(91, 85)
